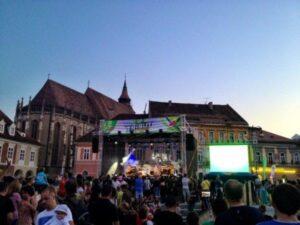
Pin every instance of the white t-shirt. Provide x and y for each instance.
(185, 182)
(49, 217)
(147, 184)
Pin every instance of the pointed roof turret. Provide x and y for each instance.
(124, 97)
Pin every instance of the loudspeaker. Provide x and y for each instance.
(190, 142)
(95, 144)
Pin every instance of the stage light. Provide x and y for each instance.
(116, 142)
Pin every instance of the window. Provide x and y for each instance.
(10, 153)
(12, 129)
(270, 157)
(1, 128)
(34, 129)
(22, 155)
(282, 157)
(211, 136)
(296, 157)
(201, 137)
(0, 152)
(231, 136)
(222, 136)
(32, 156)
(242, 136)
(257, 157)
(86, 154)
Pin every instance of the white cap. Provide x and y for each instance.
(62, 208)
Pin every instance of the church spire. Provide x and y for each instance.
(124, 97)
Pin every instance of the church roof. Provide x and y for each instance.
(106, 106)
(202, 113)
(91, 103)
(124, 95)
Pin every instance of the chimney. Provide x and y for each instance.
(210, 105)
(170, 103)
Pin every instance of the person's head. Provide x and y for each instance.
(262, 209)
(61, 211)
(106, 191)
(171, 202)
(233, 191)
(14, 187)
(3, 188)
(27, 192)
(143, 213)
(192, 218)
(70, 187)
(184, 175)
(286, 199)
(219, 206)
(48, 198)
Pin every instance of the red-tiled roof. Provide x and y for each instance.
(268, 137)
(203, 113)
(54, 93)
(106, 106)
(91, 103)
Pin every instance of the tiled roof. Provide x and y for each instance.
(124, 95)
(17, 137)
(106, 106)
(91, 103)
(203, 113)
(54, 93)
(268, 137)
(6, 119)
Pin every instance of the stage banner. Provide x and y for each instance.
(169, 124)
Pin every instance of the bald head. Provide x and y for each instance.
(233, 190)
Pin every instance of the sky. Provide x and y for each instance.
(242, 53)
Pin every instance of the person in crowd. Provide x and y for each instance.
(13, 192)
(185, 188)
(80, 191)
(286, 202)
(143, 216)
(27, 208)
(192, 218)
(218, 186)
(6, 206)
(75, 204)
(41, 181)
(238, 213)
(138, 187)
(218, 206)
(168, 216)
(61, 188)
(156, 187)
(48, 200)
(147, 186)
(127, 215)
(205, 190)
(263, 195)
(102, 211)
(263, 210)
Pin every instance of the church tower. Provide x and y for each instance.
(124, 97)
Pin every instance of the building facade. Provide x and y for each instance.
(58, 115)
(278, 151)
(20, 150)
(209, 124)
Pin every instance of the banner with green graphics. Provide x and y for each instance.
(169, 124)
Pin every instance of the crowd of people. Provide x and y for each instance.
(121, 200)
